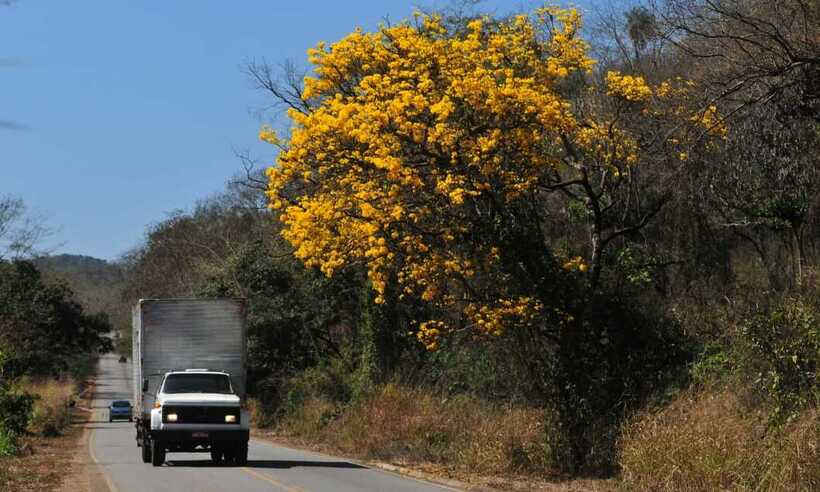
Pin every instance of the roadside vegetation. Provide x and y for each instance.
(463, 436)
(528, 248)
(48, 347)
(47, 453)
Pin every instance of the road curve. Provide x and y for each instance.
(113, 448)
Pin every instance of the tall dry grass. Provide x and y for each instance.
(705, 441)
(51, 413)
(793, 456)
(411, 425)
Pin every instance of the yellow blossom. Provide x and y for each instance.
(414, 134)
(631, 88)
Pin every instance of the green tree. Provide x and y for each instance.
(41, 327)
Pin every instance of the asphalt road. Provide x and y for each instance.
(119, 467)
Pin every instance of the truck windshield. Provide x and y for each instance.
(197, 383)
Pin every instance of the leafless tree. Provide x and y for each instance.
(628, 36)
(750, 51)
(764, 186)
(20, 233)
(283, 82)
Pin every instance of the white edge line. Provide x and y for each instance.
(356, 462)
(108, 482)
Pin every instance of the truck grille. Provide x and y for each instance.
(200, 415)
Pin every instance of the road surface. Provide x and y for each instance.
(119, 467)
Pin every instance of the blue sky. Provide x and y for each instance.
(131, 109)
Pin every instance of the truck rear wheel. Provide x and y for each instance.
(157, 453)
(146, 453)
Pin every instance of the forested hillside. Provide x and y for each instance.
(520, 246)
(96, 283)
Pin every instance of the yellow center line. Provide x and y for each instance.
(267, 478)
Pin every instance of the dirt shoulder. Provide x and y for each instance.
(77, 476)
(53, 463)
(43, 463)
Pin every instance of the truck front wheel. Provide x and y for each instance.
(240, 456)
(157, 453)
(217, 456)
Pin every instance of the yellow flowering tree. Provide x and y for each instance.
(438, 157)
(431, 155)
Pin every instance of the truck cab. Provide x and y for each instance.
(196, 410)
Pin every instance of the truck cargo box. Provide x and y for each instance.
(179, 334)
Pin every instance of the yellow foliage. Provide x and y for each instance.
(576, 263)
(631, 88)
(413, 128)
(711, 121)
(266, 134)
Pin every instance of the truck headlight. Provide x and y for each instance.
(230, 419)
(171, 417)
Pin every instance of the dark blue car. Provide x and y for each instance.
(119, 409)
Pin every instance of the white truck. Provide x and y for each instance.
(189, 378)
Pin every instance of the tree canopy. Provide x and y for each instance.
(431, 153)
(41, 326)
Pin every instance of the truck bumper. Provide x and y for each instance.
(200, 437)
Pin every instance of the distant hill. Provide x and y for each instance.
(80, 269)
(96, 283)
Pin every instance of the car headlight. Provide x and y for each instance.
(230, 419)
(171, 417)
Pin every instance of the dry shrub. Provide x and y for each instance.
(508, 440)
(259, 417)
(412, 425)
(400, 422)
(310, 419)
(793, 456)
(704, 441)
(51, 413)
(700, 442)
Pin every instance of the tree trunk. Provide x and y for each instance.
(797, 254)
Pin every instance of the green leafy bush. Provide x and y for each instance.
(15, 412)
(8, 443)
(783, 355)
(713, 363)
(327, 383)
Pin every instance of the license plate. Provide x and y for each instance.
(199, 435)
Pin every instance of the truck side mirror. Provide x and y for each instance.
(144, 385)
